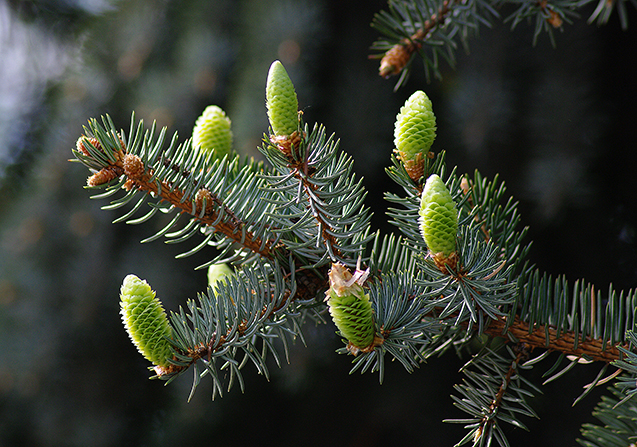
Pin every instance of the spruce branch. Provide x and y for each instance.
(619, 421)
(546, 337)
(317, 190)
(433, 29)
(457, 274)
(207, 208)
(493, 392)
(181, 180)
(233, 318)
(430, 28)
(400, 55)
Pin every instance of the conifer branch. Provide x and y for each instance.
(204, 209)
(546, 337)
(457, 274)
(397, 58)
(492, 393)
(435, 28)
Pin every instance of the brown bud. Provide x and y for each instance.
(133, 166)
(102, 176)
(396, 58)
(203, 195)
(82, 147)
(554, 19)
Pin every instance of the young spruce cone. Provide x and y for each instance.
(351, 308)
(283, 110)
(414, 133)
(145, 321)
(281, 101)
(212, 132)
(439, 220)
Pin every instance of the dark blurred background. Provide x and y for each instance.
(557, 124)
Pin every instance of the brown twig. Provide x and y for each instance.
(567, 343)
(309, 284)
(141, 178)
(488, 421)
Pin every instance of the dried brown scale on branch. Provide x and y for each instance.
(204, 198)
(107, 173)
(81, 145)
(168, 370)
(82, 141)
(415, 168)
(285, 143)
(355, 350)
(395, 60)
(445, 263)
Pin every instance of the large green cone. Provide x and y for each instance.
(145, 320)
(281, 101)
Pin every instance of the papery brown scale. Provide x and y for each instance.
(415, 168)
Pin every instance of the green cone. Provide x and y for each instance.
(217, 272)
(350, 308)
(281, 101)
(415, 132)
(145, 320)
(212, 132)
(438, 217)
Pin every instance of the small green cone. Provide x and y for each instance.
(145, 320)
(217, 272)
(212, 132)
(281, 101)
(438, 218)
(415, 132)
(351, 309)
